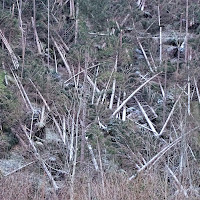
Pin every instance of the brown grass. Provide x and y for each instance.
(21, 186)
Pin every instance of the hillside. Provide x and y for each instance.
(99, 99)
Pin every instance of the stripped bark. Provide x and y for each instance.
(114, 84)
(72, 9)
(95, 84)
(39, 47)
(23, 41)
(92, 154)
(124, 108)
(63, 57)
(11, 52)
(147, 118)
(76, 23)
(83, 106)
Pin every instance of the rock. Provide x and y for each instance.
(169, 52)
(172, 51)
(52, 159)
(139, 54)
(51, 136)
(14, 162)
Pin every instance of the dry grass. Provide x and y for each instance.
(21, 186)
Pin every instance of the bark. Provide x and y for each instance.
(83, 105)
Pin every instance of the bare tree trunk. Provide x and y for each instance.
(48, 32)
(36, 37)
(83, 105)
(92, 154)
(65, 139)
(114, 84)
(124, 108)
(38, 157)
(131, 95)
(118, 103)
(186, 56)
(3, 4)
(72, 136)
(55, 59)
(19, 5)
(11, 52)
(75, 156)
(95, 83)
(22, 91)
(34, 15)
(159, 22)
(72, 9)
(12, 10)
(101, 168)
(178, 59)
(76, 25)
(63, 57)
(165, 93)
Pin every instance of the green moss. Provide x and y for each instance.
(9, 106)
(195, 110)
(93, 132)
(95, 10)
(2, 86)
(9, 25)
(171, 68)
(8, 116)
(195, 42)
